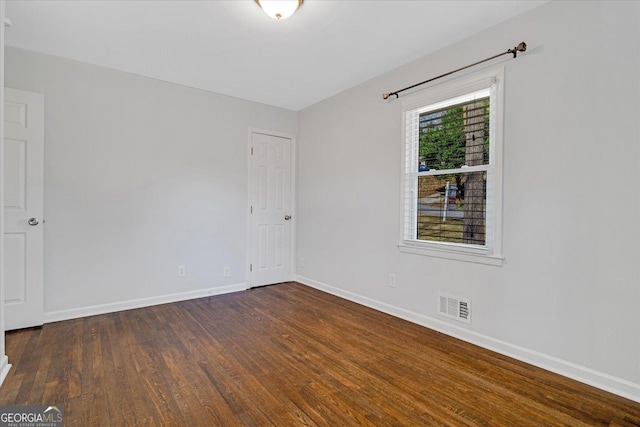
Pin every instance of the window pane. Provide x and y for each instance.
(452, 208)
(454, 136)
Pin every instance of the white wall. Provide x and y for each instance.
(567, 295)
(140, 176)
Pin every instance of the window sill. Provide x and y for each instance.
(456, 253)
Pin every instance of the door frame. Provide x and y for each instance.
(292, 252)
(4, 361)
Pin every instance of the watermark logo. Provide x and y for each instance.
(31, 416)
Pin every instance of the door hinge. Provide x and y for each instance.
(251, 209)
(252, 151)
(250, 267)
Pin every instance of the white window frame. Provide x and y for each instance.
(412, 105)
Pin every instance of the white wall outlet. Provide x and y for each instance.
(182, 270)
(392, 280)
(227, 272)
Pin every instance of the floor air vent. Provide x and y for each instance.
(455, 308)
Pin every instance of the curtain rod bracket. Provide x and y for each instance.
(522, 47)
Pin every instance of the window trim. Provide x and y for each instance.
(491, 254)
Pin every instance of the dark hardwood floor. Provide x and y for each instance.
(285, 355)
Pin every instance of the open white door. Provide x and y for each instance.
(271, 209)
(23, 208)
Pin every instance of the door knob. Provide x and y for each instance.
(287, 217)
(33, 222)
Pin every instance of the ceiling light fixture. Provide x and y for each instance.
(279, 9)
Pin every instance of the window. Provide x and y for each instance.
(453, 171)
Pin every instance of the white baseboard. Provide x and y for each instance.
(74, 313)
(4, 367)
(603, 381)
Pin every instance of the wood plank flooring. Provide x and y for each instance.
(285, 355)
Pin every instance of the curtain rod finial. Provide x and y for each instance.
(385, 96)
(522, 47)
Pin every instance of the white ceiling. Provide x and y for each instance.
(231, 47)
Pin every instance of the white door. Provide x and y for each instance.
(23, 208)
(271, 210)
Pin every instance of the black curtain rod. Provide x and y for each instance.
(522, 46)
